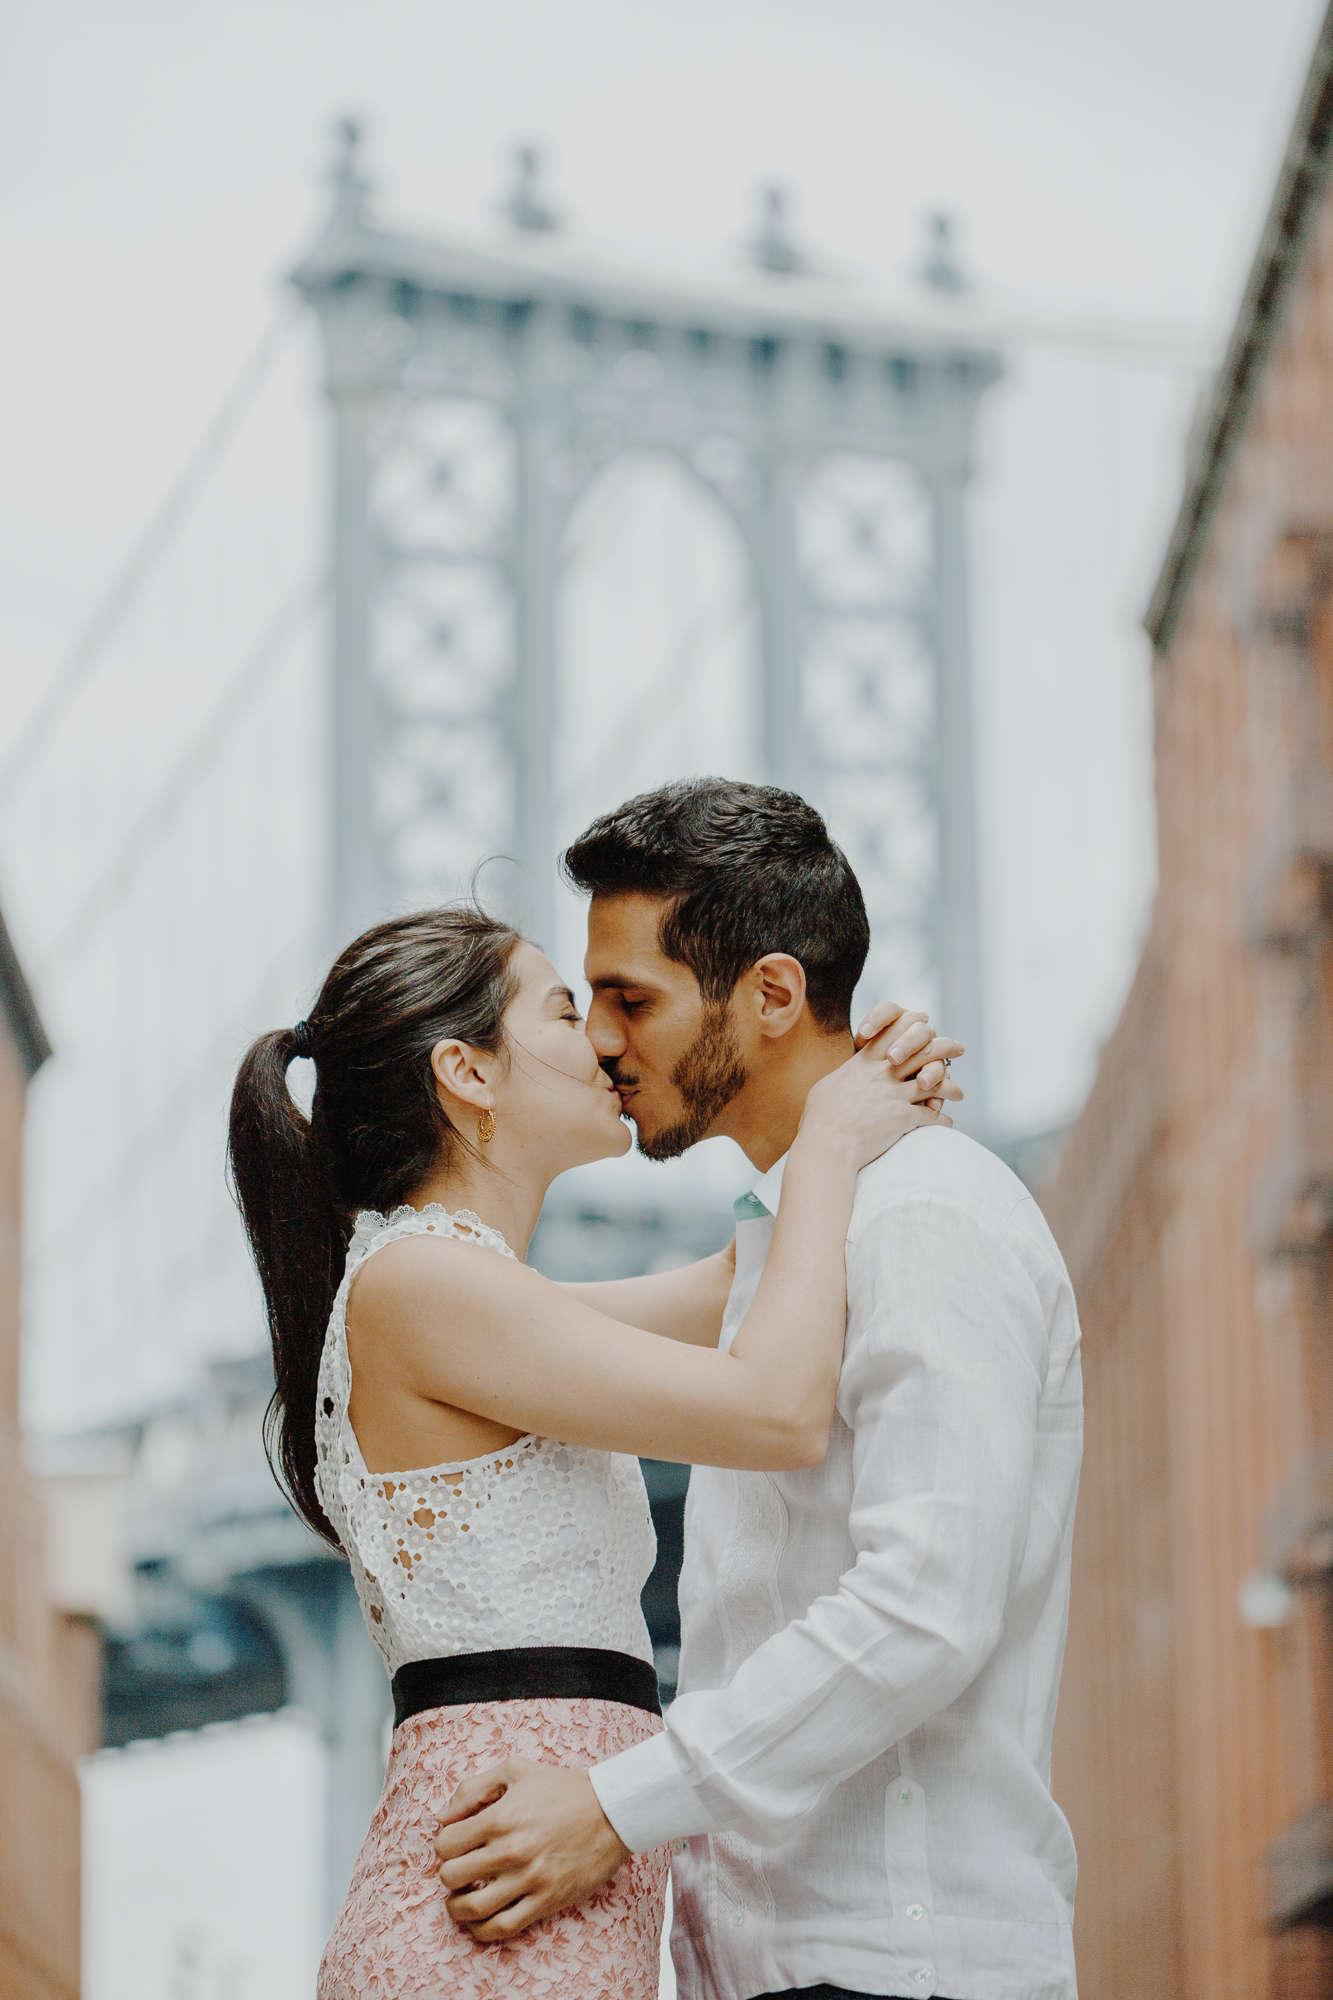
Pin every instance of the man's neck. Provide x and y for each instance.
(762, 1117)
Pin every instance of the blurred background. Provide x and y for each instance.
(425, 427)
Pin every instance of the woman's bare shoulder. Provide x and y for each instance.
(426, 1269)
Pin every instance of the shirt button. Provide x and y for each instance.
(679, 1846)
(916, 1911)
(905, 1796)
(923, 1975)
(738, 1916)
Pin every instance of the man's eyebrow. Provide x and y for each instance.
(615, 982)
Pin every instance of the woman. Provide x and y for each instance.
(500, 1575)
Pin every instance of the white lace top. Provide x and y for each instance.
(541, 1544)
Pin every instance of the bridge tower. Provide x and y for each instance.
(476, 392)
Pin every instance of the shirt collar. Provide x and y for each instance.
(762, 1199)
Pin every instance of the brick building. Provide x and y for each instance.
(1194, 1202)
(48, 1664)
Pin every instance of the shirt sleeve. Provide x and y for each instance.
(946, 1356)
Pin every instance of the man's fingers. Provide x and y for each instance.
(513, 1920)
(483, 1788)
(466, 1836)
(546, 1836)
(477, 1903)
(480, 1864)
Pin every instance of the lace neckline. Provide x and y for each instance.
(370, 1223)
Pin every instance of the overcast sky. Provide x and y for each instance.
(159, 170)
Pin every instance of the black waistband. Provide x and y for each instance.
(525, 1673)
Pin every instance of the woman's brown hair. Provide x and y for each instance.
(376, 1130)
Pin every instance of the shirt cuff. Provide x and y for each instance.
(647, 1796)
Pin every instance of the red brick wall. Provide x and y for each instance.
(1115, 1749)
(48, 1666)
(1188, 1743)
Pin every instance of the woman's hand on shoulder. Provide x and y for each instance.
(913, 1042)
(913, 1045)
(896, 1082)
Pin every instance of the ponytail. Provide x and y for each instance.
(376, 1131)
(298, 1241)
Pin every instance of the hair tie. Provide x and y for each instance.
(301, 1037)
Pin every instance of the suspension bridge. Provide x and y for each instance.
(488, 534)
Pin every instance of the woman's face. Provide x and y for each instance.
(556, 1101)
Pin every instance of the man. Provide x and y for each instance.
(854, 1777)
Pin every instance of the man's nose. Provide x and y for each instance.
(605, 1030)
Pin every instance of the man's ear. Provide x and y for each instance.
(777, 993)
(455, 1069)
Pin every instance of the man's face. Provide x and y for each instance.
(676, 1062)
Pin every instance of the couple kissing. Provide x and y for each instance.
(877, 1385)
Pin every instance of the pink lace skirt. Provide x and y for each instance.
(394, 1937)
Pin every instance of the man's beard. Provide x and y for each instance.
(708, 1076)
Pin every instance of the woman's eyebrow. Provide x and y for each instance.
(561, 993)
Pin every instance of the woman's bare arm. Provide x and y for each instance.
(686, 1304)
(463, 1329)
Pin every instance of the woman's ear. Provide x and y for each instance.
(454, 1066)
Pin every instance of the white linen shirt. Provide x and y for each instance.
(855, 1774)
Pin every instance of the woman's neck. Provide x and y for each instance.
(502, 1195)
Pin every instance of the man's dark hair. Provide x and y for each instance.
(745, 870)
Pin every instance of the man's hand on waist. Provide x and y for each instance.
(521, 1840)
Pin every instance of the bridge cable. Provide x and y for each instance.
(171, 1113)
(189, 768)
(18, 760)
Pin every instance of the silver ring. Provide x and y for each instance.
(947, 1061)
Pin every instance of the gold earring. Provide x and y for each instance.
(486, 1126)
